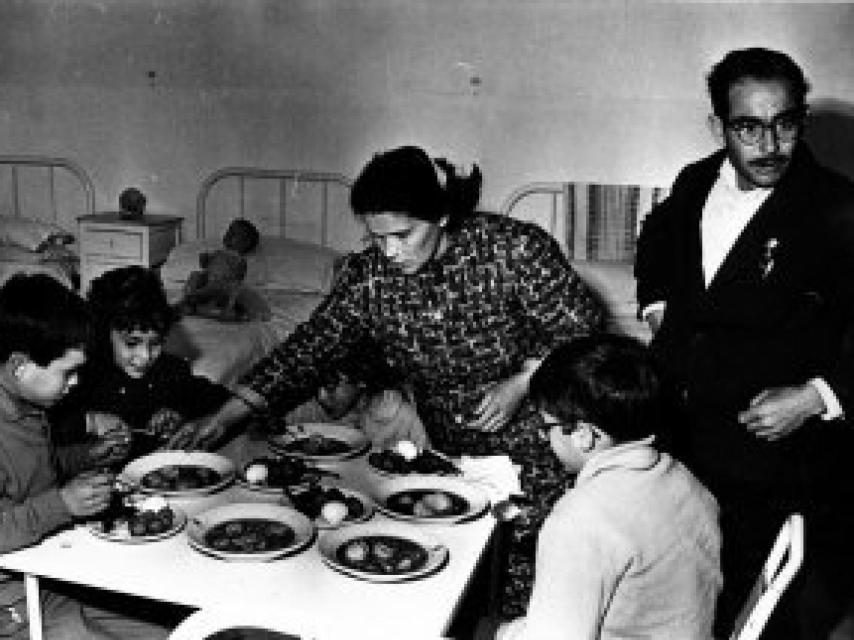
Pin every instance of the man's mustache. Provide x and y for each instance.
(769, 161)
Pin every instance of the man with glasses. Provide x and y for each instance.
(746, 276)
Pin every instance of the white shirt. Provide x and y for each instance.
(727, 211)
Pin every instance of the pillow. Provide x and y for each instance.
(33, 235)
(277, 263)
(293, 265)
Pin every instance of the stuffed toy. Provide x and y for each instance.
(218, 290)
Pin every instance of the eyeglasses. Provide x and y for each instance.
(567, 427)
(785, 127)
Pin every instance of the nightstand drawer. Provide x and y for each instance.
(112, 243)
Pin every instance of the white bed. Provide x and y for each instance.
(305, 223)
(41, 198)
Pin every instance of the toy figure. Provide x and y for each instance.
(218, 290)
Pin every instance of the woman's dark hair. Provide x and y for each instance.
(758, 64)
(127, 299)
(41, 318)
(405, 180)
(605, 379)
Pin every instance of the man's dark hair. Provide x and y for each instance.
(758, 64)
(605, 379)
(41, 318)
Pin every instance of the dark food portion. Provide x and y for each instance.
(249, 535)
(287, 472)
(316, 444)
(139, 523)
(425, 503)
(180, 477)
(311, 501)
(387, 555)
(426, 461)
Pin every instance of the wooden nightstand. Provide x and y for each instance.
(108, 241)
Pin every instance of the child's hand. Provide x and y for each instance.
(88, 494)
(165, 423)
(112, 449)
(100, 424)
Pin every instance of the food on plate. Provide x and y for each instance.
(314, 501)
(382, 554)
(280, 472)
(257, 473)
(407, 449)
(427, 503)
(180, 477)
(426, 462)
(124, 519)
(316, 444)
(334, 513)
(249, 535)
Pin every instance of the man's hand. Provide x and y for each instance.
(87, 494)
(654, 319)
(777, 413)
(500, 403)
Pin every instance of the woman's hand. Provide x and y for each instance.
(201, 434)
(501, 402)
(88, 494)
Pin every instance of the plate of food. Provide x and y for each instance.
(331, 506)
(320, 442)
(178, 473)
(407, 459)
(136, 522)
(276, 474)
(431, 499)
(383, 551)
(250, 531)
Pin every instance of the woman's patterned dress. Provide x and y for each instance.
(501, 293)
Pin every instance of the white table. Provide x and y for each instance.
(319, 601)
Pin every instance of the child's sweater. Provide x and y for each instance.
(30, 504)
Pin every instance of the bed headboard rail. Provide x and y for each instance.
(290, 183)
(590, 221)
(45, 197)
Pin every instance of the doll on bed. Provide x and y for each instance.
(128, 381)
(218, 290)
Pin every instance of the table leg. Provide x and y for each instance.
(34, 608)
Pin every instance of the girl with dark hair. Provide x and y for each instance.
(129, 380)
(460, 305)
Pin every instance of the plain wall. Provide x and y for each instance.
(159, 93)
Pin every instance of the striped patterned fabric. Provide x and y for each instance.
(590, 221)
(604, 219)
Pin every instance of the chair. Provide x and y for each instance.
(782, 564)
(253, 622)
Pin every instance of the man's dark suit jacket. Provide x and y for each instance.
(780, 311)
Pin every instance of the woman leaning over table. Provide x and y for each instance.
(462, 306)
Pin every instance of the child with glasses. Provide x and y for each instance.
(633, 549)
